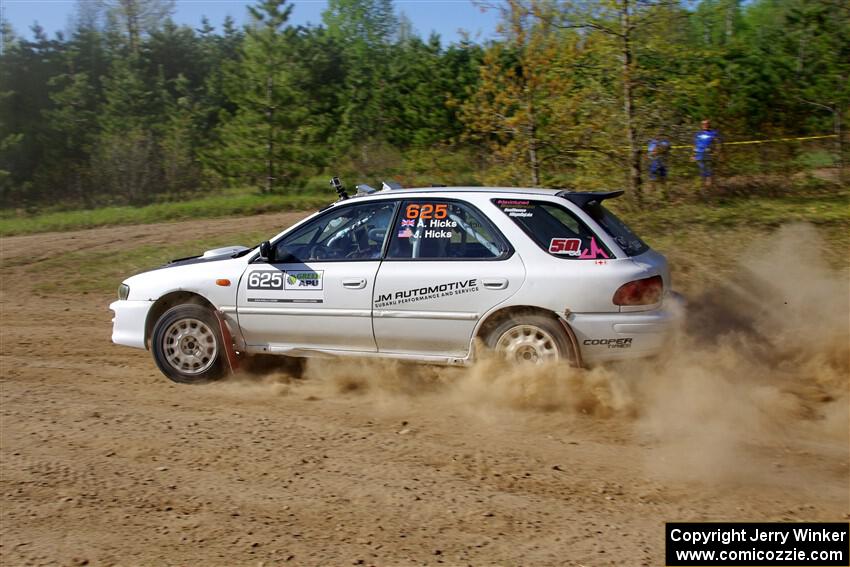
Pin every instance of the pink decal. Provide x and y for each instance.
(593, 251)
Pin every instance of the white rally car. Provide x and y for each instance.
(413, 274)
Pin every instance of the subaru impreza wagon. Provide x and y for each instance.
(415, 274)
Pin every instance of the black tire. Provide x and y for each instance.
(187, 345)
(534, 338)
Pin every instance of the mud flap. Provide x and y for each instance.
(227, 339)
(573, 342)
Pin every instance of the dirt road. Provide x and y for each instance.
(105, 462)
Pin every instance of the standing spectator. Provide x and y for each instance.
(706, 148)
(658, 148)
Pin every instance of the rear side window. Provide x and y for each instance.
(619, 231)
(430, 229)
(555, 229)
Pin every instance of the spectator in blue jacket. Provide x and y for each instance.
(706, 148)
(658, 149)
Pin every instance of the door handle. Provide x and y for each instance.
(495, 283)
(354, 283)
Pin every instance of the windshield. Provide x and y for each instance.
(354, 232)
(619, 231)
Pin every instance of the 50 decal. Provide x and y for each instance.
(426, 211)
(265, 280)
(566, 246)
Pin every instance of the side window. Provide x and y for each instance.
(436, 229)
(354, 232)
(554, 229)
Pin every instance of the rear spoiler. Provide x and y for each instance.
(584, 198)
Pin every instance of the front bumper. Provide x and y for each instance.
(604, 337)
(128, 325)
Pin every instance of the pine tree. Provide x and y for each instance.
(8, 142)
(509, 112)
(73, 133)
(180, 141)
(135, 18)
(262, 141)
(365, 30)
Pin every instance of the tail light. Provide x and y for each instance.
(640, 292)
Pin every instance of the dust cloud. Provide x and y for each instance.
(761, 359)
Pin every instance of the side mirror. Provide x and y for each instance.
(266, 252)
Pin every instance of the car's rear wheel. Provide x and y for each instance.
(187, 345)
(534, 339)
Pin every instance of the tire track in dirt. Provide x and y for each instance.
(27, 249)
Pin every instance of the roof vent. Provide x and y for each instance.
(390, 186)
(364, 189)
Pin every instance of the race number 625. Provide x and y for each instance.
(265, 280)
(427, 211)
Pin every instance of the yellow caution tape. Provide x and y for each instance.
(765, 141)
(721, 143)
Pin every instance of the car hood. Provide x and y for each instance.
(212, 255)
(197, 274)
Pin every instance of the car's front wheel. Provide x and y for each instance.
(187, 345)
(530, 339)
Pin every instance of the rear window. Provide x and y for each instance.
(619, 231)
(555, 229)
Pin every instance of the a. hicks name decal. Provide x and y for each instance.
(434, 228)
(427, 220)
(426, 293)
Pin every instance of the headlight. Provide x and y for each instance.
(123, 291)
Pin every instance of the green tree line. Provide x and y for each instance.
(130, 107)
